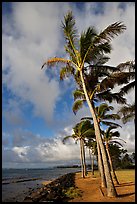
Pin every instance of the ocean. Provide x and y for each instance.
(18, 183)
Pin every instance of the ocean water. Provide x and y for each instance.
(18, 183)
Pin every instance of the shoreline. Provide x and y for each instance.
(53, 190)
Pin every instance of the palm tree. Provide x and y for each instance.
(127, 112)
(105, 118)
(89, 47)
(81, 131)
(111, 137)
(92, 146)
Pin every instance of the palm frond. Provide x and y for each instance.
(107, 95)
(86, 40)
(66, 138)
(115, 142)
(78, 94)
(77, 105)
(66, 71)
(110, 32)
(87, 118)
(130, 65)
(54, 60)
(109, 123)
(127, 112)
(113, 116)
(127, 88)
(70, 32)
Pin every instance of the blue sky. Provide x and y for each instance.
(36, 105)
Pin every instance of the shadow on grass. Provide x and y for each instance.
(123, 185)
(126, 184)
(126, 194)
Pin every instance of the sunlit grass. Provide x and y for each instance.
(123, 175)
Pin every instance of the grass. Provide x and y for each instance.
(72, 192)
(123, 175)
(126, 175)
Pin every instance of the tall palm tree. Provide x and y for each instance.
(92, 146)
(111, 137)
(105, 118)
(90, 46)
(81, 131)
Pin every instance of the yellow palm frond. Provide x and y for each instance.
(54, 60)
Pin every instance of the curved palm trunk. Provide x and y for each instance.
(93, 164)
(111, 191)
(90, 158)
(101, 167)
(114, 177)
(82, 162)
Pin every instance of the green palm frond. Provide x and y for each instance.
(66, 138)
(86, 128)
(109, 96)
(77, 105)
(70, 32)
(86, 40)
(66, 71)
(127, 88)
(102, 109)
(78, 94)
(116, 79)
(102, 59)
(110, 32)
(87, 118)
(89, 133)
(109, 123)
(113, 116)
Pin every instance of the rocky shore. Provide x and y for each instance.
(56, 190)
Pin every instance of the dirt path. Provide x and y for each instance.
(91, 191)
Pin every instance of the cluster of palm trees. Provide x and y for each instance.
(86, 63)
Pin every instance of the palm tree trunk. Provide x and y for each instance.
(101, 167)
(84, 160)
(114, 177)
(81, 158)
(90, 159)
(111, 191)
(93, 164)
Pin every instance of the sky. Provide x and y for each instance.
(36, 106)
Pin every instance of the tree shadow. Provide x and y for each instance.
(126, 184)
(123, 185)
(126, 194)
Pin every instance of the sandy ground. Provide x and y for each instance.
(91, 191)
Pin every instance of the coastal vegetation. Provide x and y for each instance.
(95, 82)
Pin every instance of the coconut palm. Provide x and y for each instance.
(82, 130)
(111, 137)
(92, 146)
(83, 50)
(105, 118)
